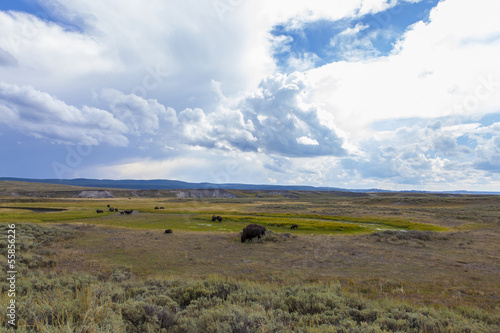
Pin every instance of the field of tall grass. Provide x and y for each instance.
(64, 302)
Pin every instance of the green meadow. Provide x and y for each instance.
(195, 215)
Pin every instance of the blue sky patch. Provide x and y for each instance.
(51, 11)
(352, 39)
(490, 119)
(20, 5)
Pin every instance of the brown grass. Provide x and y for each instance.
(460, 268)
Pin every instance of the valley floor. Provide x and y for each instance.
(383, 251)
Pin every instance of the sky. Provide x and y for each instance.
(388, 94)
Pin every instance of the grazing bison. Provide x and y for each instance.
(111, 209)
(216, 218)
(251, 231)
(128, 212)
(161, 207)
(157, 207)
(261, 227)
(108, 206)
(168, 231)
(99, 211)
(294, 226)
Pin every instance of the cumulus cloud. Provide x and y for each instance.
(488, 151)
(38, 114)
(225, 130)
(141, 116)
(272, 119)
(360, 93)
(282, 119)
(430, 151)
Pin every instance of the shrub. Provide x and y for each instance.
(50, 302)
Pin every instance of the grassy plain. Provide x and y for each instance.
(428, 251)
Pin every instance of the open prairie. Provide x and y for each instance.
(439, 251)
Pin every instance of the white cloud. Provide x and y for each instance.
(193, 165)
(302, 62)
(296, 12)
(140, 115)
(38, 114)
(359, 93)
(304, 140)
(65, 54)
(350, 32)
(430, 152)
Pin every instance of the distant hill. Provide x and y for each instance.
(165, 184)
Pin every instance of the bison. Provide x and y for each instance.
(128, 212)
(219, 218)
(261, 227)
(111, 209)
(251, 231)
(157, 207)
(161, 207)
(99, 211)
(294, 226)
(168, 231)
(216, 218)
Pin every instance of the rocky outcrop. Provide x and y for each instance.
(95, 194)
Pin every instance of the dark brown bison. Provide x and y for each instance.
(168, 231)
(161, 207)
(108, 206)
(157, 207)
(214, 218)
(128, 212)
(258, 226)
(251, 231)
(219, 218)
(294, 226)
(111, 209)
(99, 211)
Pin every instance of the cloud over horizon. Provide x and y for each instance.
(366, 93)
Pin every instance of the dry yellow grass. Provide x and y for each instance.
(460, 269)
